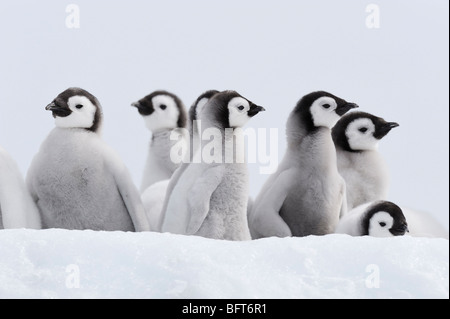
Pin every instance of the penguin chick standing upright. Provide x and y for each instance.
(76, 180)
(17, 208)
(356, 137)
(210, 198)
(306, 195)
(155, 195)
(162, 112)
(376, 219)
(194, 134)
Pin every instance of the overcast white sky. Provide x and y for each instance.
(272, 52)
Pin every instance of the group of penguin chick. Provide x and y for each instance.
(331, 180)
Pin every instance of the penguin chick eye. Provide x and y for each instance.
(326, 106)
(383, 224)
(163, 107)
(363, 130)
(241, 108)
(79, 106)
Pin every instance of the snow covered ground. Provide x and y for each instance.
(73, 264)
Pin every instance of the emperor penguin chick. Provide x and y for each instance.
(155, 195)
(163, 112)
(76, 180)
(210, 198)
(376, 219)
(194, 127)
(306, 195)
(356, 137)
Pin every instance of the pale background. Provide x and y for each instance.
(272, 52)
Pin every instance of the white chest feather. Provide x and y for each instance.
(366, 176)
(164, 157)
(73, 178)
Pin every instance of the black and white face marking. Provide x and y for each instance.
(360, 131)
(76, 108)
(241, 111)
(322, 109)
(323, 112)
(238, 109)
(231, 109)
(162, 111)
(380, 225)
(385, 219)
(360, 135)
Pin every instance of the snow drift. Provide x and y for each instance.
(87, 264)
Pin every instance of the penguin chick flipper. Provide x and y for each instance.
(133, 202)
(129, 192)
(266, 219)
(173, 182)
(200, 197)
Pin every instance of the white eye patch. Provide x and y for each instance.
(238, 108)
(360, 135)
(82, 116)
(323, 112)
(380, 224)
(165, 115)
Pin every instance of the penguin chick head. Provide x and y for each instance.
(162, 111)
(385, 219)
(359, 131)
(229, 109)
(199, 104)
(321, 109)
(76, 108)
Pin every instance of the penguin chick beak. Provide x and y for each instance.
(137, 105)
(344, 108)
(144, 111)
(255, 109)
(58, 111)
(400, 230)
(385, 129)
(52, 106)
